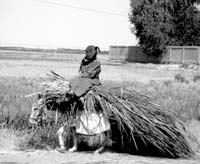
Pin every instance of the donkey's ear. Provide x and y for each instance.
(39, 96)
(97, 49)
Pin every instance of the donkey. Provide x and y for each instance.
(89, 124)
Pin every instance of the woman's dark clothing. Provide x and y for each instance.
(89, 70)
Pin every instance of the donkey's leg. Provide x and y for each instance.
(75, 142)
(105, 142)
(61, 140)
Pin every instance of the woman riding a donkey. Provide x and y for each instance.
(88, 122)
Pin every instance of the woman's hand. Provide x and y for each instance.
(84, 75)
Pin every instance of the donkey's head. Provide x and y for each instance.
(37, 112)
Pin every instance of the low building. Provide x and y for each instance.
(173, 54)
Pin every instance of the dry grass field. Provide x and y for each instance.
(170, 85)
(26, 64)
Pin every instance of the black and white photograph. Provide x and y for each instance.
(99, 81)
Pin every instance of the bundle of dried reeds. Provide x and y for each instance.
(139, 119)
(135, 116)
(54, 88)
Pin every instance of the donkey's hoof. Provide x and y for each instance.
(73, 149)
(98, 151)
(61, 150)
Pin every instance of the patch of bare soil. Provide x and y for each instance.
(52, 157)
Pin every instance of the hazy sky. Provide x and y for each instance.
(37, 23)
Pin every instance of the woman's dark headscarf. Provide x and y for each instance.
(90, 54)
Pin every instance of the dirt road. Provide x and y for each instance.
(52, 157)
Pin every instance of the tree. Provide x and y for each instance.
(186, 25)
(161, 23)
